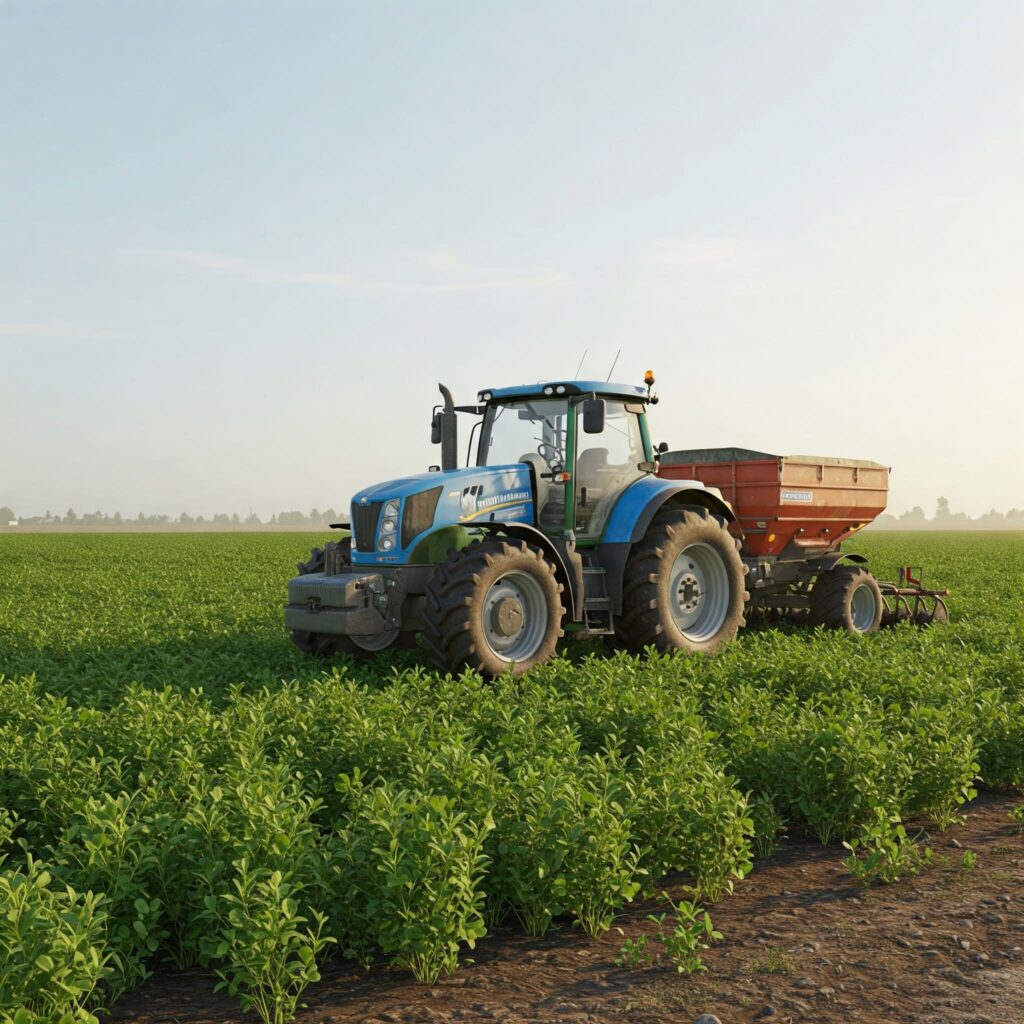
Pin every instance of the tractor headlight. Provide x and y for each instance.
(389, 524)
(549, 390)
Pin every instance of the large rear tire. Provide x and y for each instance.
(324, 644)
(494, 607)
(683, 587)
(847, 598)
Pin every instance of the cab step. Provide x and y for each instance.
(597, 605)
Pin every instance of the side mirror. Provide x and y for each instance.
(663, 447)
(435, 427)
(593, 416)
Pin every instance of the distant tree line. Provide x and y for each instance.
(915, 519)
(946, 519)
(314, 518)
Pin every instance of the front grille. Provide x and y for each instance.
(364, 525)
(418, 514)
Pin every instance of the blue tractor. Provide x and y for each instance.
(561, 525)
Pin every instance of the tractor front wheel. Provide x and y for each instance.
(847, 598)
(494, 606)
(683, 587)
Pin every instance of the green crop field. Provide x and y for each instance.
(178, 784)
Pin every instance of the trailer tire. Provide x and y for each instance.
(847, 598)
(493, 607)
(325, 644)
(683, 586)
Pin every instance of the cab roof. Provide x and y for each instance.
(570, 387)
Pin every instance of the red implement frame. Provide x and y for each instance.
(910, 601)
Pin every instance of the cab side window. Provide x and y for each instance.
(606, 464)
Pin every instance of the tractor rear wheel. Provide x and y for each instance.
(324, 644)
(494, 606)
(848, 598)
(683, 587)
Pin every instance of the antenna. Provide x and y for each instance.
(612, 370)
(580, 367)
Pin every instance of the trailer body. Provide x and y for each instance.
(787, 505)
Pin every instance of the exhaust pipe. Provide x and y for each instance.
(449, 432)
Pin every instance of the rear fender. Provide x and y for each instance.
(632, 516)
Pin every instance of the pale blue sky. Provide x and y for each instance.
(241, 242)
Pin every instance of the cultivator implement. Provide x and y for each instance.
(910, 601)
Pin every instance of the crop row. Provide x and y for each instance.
(398, 816)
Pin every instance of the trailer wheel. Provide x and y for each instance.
(324, 644)
(683, 584)
(492, 607)
(847, 598)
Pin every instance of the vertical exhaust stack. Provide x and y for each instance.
(449, 432)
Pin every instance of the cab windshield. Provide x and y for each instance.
(532, 431)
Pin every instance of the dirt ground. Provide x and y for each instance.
(803, 941)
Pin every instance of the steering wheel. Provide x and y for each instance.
(552, 459)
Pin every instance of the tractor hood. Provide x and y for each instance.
(430, 501)
(405, 486)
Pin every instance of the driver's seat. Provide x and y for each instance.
(590, 464)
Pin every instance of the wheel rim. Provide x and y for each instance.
(863, 606)
(515, 616)
(375, 641)
(699, 592)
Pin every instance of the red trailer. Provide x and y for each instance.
(792, 514)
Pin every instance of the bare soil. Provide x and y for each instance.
(803, 941)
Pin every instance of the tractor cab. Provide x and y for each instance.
(583, 442)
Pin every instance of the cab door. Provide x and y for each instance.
(607, 461)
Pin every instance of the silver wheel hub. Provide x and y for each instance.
(699, 595)
(688, 593)
(507, 617)
(863, 606)
(515, 616)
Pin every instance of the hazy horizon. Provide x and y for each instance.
(242, 243)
